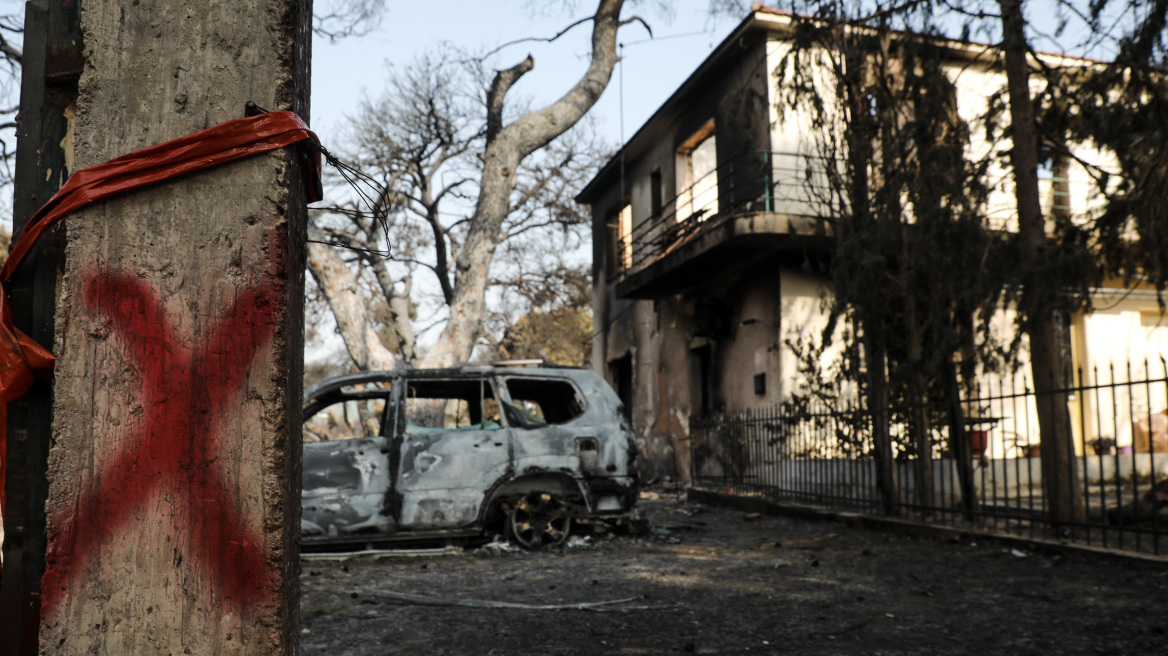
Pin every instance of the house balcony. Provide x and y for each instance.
(751, 206)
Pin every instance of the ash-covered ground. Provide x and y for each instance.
(717, 581)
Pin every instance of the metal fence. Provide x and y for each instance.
(982, 467)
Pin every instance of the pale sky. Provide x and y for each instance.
(653, 69)
(345, 71)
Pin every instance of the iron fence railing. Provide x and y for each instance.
(982, 467)
(759, 181)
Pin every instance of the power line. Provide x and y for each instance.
(666, 38)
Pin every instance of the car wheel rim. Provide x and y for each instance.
(540, 520)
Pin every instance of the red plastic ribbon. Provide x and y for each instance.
(23, 361)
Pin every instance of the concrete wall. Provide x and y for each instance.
(1126, 327)
(1011, 482)
(659, 336)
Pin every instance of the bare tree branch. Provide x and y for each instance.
(348, 18)
(532, 39)
(502, 83)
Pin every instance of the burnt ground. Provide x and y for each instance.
(711, 581)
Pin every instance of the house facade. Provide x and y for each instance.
(706, 236)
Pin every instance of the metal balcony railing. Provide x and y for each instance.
(754, 182)
(797, 185)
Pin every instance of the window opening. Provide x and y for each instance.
(540, 402)
(348, 419)
(697, 176)
(434, 406)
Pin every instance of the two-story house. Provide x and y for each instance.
(703, 233)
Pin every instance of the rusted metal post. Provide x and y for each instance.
(51, 66)
(173, 500)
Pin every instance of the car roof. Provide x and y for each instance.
(460, 371)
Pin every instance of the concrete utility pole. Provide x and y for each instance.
(173, 500)
(51, 67)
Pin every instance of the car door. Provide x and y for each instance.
(453, 446)
(546, 434)
(346, 473)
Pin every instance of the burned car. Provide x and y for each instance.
(465, 451)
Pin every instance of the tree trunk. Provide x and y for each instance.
(958, 439)
(339, 287)
(399, 310)
(859, 139)
(1060, 479)
(876, 355)
(506, 147)
(1059, 475)
(919, 424)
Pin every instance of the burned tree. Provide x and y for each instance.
(513, 169)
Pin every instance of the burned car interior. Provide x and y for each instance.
(463, 452)
(442, 405)
(537, 403)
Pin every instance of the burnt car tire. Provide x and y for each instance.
(539, 520)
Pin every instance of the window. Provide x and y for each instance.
(621, 374)
(655, 194)
(330, 472)
(539, 402)
(622, 243)
(697, 176)
(434, 406)
(349, 419)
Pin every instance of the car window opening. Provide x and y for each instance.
(346, 420)
(451, 405)
(540, 402)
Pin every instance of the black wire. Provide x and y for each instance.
(350, 247)
(358, 181)
(351, 175)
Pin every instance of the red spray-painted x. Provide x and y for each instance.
(186, 389)
(21, 359)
